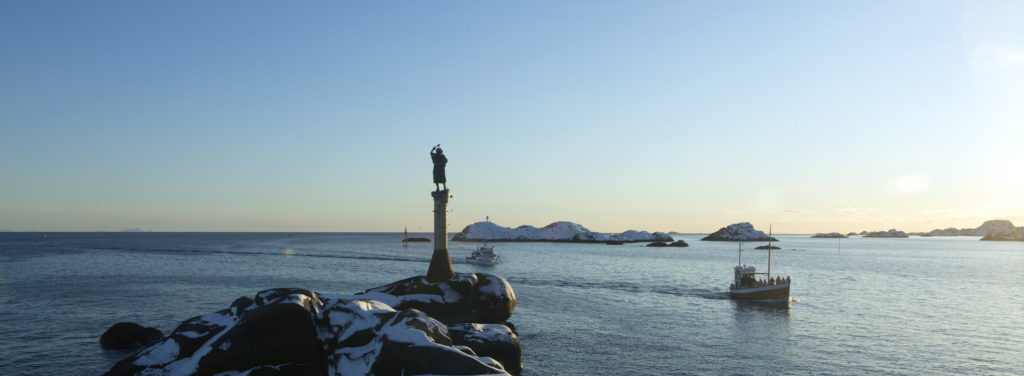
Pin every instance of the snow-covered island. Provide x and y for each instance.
(829, 235)
(556, 232)
(743, 231)
(892, 233)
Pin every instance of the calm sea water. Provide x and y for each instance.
(921, 306)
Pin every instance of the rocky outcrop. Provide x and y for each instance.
(743, 231)
(1000, 229)
(381, 331)
(829, 235)
(555, 232)
(657, 244)
(678, 243)
(892, 233)
(129, 335)
(767, 247)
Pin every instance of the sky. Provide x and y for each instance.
(811, 116)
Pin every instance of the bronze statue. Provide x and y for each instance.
(437, 155)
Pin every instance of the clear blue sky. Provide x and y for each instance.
(655, 115)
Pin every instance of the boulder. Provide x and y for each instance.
(129, 335)
(678, 243)
(657, 244)
(491, 340)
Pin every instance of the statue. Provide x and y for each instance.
(437, 155)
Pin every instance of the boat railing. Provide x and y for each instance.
(756, 282)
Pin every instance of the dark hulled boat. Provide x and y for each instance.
(748, 284)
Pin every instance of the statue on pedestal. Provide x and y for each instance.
(437, 155)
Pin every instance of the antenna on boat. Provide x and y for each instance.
(769, 250)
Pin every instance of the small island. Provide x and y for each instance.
(677, 243)
(829, 235)
(743, 231)
(562, 231)
(766, 246)
(892, 233)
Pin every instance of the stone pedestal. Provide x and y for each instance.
(440, 264)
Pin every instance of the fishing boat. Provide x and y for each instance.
(748, 284)
(483, 256)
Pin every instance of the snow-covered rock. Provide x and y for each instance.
(743, 231)
(556, 232)
(892, 233)
(491, 340)
(301, 332)
(829, 235)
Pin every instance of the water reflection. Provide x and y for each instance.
(780, 309)
(761, 335)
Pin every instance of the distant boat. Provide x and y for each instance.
(483, 256)
(746, 284)
(406, 239)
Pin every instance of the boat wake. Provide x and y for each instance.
(287, 253)
(624, 287)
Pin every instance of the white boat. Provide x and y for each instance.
(483, 256)
(747, 285)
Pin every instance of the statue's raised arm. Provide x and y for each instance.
(437, 156)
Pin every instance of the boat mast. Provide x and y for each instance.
(769, 250)
(739, 254)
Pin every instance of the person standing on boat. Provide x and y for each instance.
(437, 155)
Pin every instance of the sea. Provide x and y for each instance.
(859, 306)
